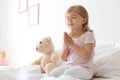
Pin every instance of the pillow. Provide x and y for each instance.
(101, 49)
(108, 65)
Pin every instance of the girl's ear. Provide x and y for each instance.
(84, 20)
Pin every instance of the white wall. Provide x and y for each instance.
(4, 24)
(19, 40)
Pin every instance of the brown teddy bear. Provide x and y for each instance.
(49, 60)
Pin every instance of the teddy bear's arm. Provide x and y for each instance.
(38, 61)
(55, 57)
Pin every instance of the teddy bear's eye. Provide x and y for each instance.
(40, 42)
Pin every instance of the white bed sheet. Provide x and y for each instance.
(32, 72)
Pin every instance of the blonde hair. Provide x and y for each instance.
(83, 13)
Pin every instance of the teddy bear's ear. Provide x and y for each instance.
(49, 38)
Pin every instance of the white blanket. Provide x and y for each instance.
(8, 73)
(31, 72)
(106, 63)
(28, 72)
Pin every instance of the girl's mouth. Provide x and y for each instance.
(70, 24)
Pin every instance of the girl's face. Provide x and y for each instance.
(74, 20)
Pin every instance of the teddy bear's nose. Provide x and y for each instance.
(37, 48)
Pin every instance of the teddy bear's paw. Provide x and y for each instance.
(49, 67)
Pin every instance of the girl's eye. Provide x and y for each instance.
(40, 42)
(73, 17)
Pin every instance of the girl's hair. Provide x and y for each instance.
(82, 12)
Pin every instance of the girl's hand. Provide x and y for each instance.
(68, 40)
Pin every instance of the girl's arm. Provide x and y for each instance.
(64, 53)
(84, 52)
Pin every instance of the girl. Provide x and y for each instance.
(78, 48)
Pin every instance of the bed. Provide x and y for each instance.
(107, 67)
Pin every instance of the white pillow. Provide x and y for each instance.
(108, 65)
(101, 49)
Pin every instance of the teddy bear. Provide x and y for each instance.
(50, 58)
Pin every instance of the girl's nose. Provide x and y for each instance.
(69, 20)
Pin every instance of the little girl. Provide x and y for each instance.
(78, 48)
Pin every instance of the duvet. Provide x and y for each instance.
(107, 67)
